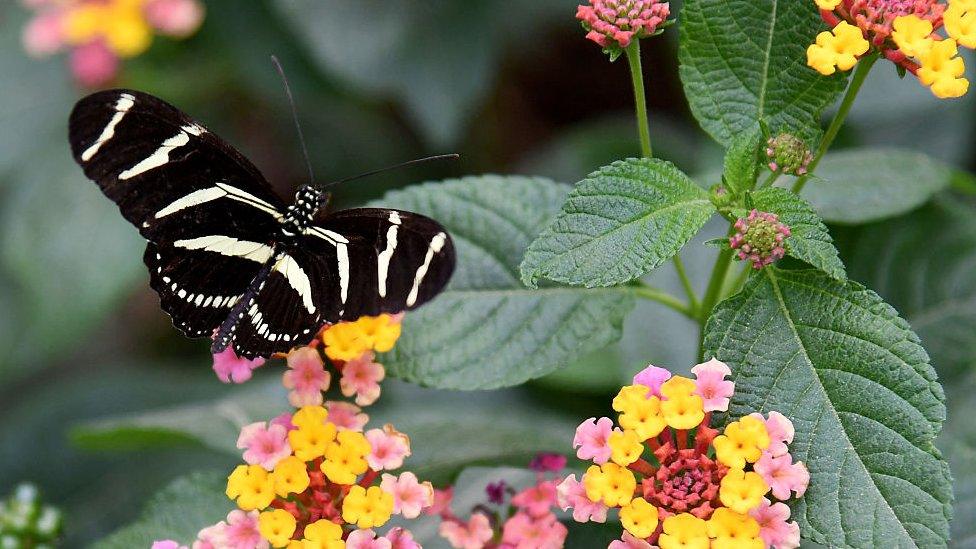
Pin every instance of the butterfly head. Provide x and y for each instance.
(301, 213)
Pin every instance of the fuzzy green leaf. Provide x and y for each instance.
(809, 241)
(618, 224)
(864, 185)
(741, 161)
(743, 61)
(178, 512)
(487, 330)
(923, 265)
(850, 373)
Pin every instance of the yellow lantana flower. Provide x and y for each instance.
(323, 534)
(731, 530)
(367, 508)
(290, 476)
(310, 416)
(251, 486)
(960, 23)
(381, 331)
(345, 459)
(639, 412)
(837, 50)
(684, 411)
(311, 441)
(743, 441)
(625, 447)
(828, 5)
(942, 70)
(349, 340)
(639, 517)
(610, 483)
(741, 491)
(677, 386)
(684, 531)
(277, 527)
(913, 35)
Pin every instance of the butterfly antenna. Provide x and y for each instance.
(393, 167)
(294, 115)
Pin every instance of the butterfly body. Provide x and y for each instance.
(227, 257)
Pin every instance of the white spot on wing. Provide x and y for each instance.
(229, 246)
(297, 279)
(122, 106)
(342, 255)
(158, 158)
(436, 244)
(384, 257)
(193, 199)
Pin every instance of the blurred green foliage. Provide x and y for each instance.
(86, 357)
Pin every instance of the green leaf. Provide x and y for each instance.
(864, 185)
(840, 363)
(809, 241)
(178, 512)
(742, 161)
(618, 224)
(479, 428)
(742, 61)
(923, 265)
(487, 330)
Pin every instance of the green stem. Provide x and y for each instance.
(664, 298)
(713, 293)
(860, 74)
(686, 282)
(637, 77)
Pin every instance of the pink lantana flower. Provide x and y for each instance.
(231, 368)
(410, 496)
(628, 541)
(401, 538)
(782, 475)
(471, 535)
(571, 493)
(213, 537)
(306, 377)
(346, 416)
(366, 539)
(264, 445)
(167, 544)
(389, 448)
(591, 440)
(93, 65)
(44, 34)
(241, 531)
(523, 531)
(547, 462)
(442, 502)
(536, 500)
(780, 430)
(711, 385)
(652, 377)
(284, 420)
(361, 377)
(179, 18)
(773, 526)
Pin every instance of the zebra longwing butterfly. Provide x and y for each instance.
(227, 257)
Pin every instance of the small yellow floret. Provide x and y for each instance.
(277, 527)
(345, 459)
(625, 447)
(913, 35)
(743, 441)
(311, 441)
(837, 50)
(731, 530)
(310, 415)
(828, 5)
(741, 491)
(684, 531)
(960, 23)
(367, 508)
(290, 476)
(323, 531)
(349, 340)
(677, 386)
(639, 412)
(942, 70)
(639, 517)
(251, 486)
(683, 412)
(609, 483)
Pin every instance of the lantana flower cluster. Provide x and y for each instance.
(350, 348)
(613, 24)
(759, 238)
(317, 484)
(905, 32)
(100, 33)
(508, 518)
(677, 481)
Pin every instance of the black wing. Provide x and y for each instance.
(208, 213)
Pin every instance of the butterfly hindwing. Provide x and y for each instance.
(386, 261)
(165, 170)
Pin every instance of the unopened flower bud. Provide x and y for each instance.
(788, 154)
(759, 238)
